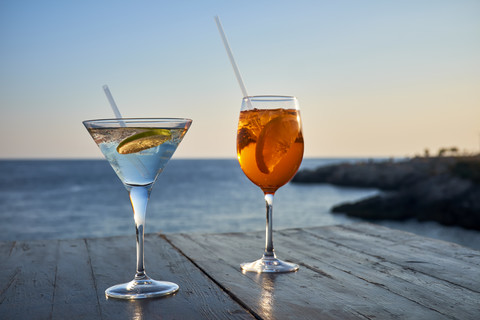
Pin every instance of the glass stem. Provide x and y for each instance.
(269, 251)
(139, 196)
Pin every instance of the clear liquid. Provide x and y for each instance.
(139, 168)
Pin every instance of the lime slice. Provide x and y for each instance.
(142, 141)
(274, 141)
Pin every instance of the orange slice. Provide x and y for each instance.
(143, 141)
(274, 141)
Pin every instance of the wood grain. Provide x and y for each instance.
(428, 291)
(27, 279)
(345, 273)
(74, 291)
(113, 262)
(359, 271)
(64, 279)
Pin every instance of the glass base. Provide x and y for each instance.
(269, 265)
(141, 289)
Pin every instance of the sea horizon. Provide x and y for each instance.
(83, 198)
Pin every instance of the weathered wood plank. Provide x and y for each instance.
(334, 293)
(75, 293)
(445, 249)
(432, 293)
(359, 271)
(455, 271)
(113, 261)
(263, 294)
(27, 279)
(208, 301)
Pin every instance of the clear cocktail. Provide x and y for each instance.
(138, 150)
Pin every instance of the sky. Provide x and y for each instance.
(374, 78)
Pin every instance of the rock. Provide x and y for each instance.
(446, 190)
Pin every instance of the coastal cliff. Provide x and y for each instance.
(442, 189)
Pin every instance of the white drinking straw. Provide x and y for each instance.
(230, 56)
(137, 163)
(112, 102)
(113, 105)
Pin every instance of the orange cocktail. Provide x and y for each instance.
(270, 146)
(270, 151)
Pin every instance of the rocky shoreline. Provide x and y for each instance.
(441, 189)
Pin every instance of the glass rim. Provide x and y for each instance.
(270, 98)
(137, 120)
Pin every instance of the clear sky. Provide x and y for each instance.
(374, 78)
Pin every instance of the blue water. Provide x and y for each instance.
(62, 199)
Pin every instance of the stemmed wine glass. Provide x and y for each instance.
(270, 151)
(138, 150)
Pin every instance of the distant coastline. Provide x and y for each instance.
(445, 189)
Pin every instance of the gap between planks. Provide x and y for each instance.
(229, 293)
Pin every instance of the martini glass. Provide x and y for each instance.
(138, 150)
(270, 151)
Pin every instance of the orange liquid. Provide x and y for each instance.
(269, 146)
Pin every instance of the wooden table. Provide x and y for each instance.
(360, 271)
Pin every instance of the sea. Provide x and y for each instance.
(69, 199)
